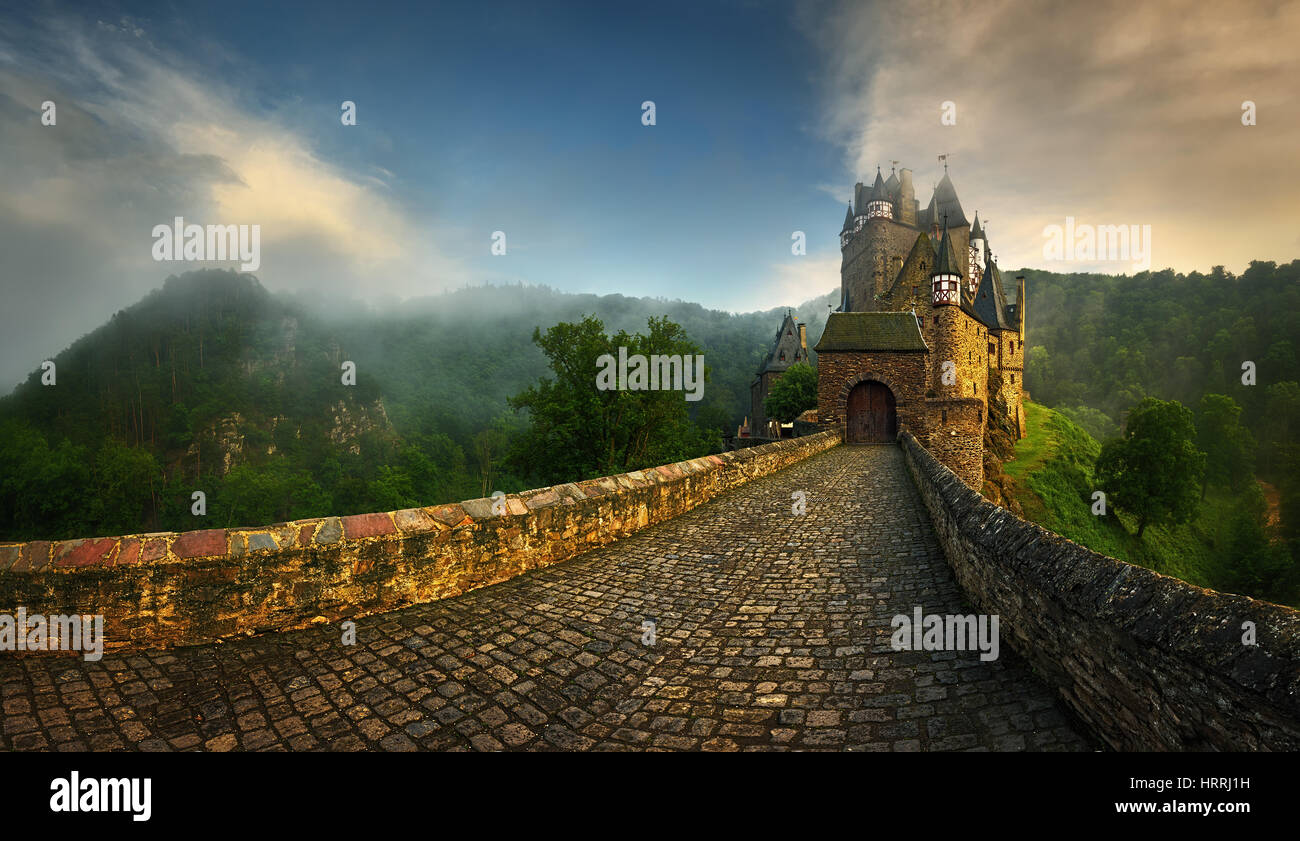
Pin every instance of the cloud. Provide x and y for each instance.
(144, 135)
(794, 281)
(1110, 112)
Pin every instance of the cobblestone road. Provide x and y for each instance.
(772, 634)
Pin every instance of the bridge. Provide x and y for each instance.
(479, 627)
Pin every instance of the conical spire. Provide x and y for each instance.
(976, 232)
(946, 203)
(878, 192)
(848, 220)
(947, 263)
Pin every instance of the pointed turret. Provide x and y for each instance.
(946, 203)
(879, 206)
(878, 189)
(848, 220)
(945, 280)
(976, 232)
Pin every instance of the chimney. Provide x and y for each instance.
(803, 338)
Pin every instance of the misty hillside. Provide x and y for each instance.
(213, 383)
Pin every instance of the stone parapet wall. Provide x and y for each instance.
(956, 436)
(1149, 662)
(157, 590)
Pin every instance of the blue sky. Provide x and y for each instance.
(526, 118)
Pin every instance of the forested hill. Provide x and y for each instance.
(1098, 344)
(214, 384)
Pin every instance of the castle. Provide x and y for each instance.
(791, 346)
(927, 336)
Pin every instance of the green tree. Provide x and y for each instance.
(1154, 471)
(578, 430)
(1228, 445)
(126, 483)
(1254, 565)
(793, 393)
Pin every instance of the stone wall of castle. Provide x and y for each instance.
(1147, 661)
(902, 373)
(955, 436)
(954, 336)
(1011, 365)
(157, 590)
(860, 258)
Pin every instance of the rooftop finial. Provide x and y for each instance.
(944, 158)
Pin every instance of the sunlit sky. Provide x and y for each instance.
(527, 119)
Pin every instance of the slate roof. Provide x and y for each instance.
(878, 189)
(976, 232)
(783, 342)
(990, 302)
(946, 203)
(871, 331)
(848, 219)
(947, 262)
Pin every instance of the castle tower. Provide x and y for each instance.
(878, 205)
(975, 253)
(945, 280)
(891, 190)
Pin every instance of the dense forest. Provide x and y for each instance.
(1099, 344)
(213, 384)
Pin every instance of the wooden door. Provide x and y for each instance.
(872, 418)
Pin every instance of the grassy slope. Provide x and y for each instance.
(1053, 475)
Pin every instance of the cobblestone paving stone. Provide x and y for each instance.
(772, 634)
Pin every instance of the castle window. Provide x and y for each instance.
(1013, 379)
(945, 415)
(936, 319)
(975, 388)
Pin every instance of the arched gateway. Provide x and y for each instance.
(871, 414)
